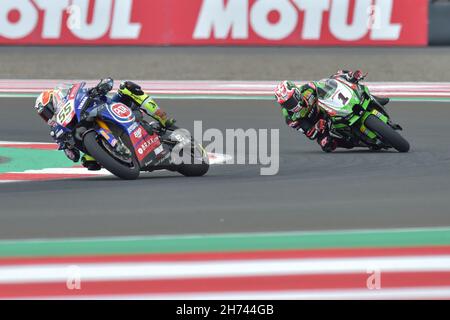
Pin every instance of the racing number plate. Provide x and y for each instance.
(66, 114)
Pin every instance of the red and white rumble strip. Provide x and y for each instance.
(395, 273)
(233, 88)
(66, 173)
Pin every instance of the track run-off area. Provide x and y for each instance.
(232, 234)
(371, 264)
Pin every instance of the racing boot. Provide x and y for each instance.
(328, 144)
(89, 162)
(381, 100)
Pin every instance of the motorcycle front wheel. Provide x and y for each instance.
(387, 134)
(96, 149)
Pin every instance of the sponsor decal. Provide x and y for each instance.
(81, 104)
(72, 21)
(210, 22)
(121, 112)
(160, 159)
(132, 127)
(147, 146)
(326, 22)
(59, 133)
(104, 134)
(159, 150)
(109, 137)
(148, 163)
(143, 143)
(138, 133)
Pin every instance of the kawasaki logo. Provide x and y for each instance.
(277, 20)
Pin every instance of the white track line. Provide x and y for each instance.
(26, 143)
(180, 270)
(71, 171)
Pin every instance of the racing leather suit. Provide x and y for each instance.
(313, 123)
(130, 94)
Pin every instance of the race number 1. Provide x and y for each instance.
(343, 98)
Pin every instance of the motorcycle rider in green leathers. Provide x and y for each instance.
(300, 110)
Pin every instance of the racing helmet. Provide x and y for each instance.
(289, 97)
(45, 106)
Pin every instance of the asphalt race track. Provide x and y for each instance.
(312, 191)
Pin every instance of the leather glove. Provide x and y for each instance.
(353, 77)
(103, 87)
(318, 128)
(294, 124)
(357, 76)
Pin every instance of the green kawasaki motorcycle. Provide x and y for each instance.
(357, 117)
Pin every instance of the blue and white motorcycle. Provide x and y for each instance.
(120, 139)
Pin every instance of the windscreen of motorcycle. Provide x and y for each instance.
(334, 97)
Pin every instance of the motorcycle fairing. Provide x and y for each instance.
(145, 145)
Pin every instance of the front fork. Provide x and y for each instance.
(106, 133)
(364, 130)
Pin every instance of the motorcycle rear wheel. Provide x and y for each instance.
(194, 169)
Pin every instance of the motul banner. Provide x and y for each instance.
(214, 22)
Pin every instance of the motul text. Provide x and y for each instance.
(209, 22)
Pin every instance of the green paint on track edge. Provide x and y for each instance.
(32, 159)
(226, 242)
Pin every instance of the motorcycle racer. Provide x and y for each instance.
(129, 93)
(300, 110)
